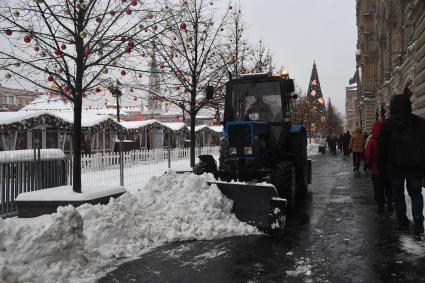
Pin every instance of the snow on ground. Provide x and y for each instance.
(78, 244)
(312, 149)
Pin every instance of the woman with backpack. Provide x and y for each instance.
(382, 190)
(357, 143)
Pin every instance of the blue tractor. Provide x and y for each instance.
(263, 161)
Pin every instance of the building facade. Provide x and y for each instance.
(14, 99)
(351, 108)
(389, 57)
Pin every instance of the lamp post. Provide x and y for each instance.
(117, 93)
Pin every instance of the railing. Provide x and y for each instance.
(29, 175)
(36, 173)
(111, 160)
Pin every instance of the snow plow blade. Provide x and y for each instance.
(258, 205)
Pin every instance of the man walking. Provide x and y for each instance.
(401, 157)
(357, 143)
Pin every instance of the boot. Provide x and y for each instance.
(403, 225)
(419, 226)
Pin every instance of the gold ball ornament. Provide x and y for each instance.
(83, 34)
(105, 71)
(8, 76)
(83, 6)
(16, 13)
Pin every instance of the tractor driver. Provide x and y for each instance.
(260, 109)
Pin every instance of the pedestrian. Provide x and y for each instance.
(366, 136)
(332, 144)
(347, 139)
(381, 188)
(401, 157)
(357, 143)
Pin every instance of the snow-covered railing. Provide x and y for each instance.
(143, 156)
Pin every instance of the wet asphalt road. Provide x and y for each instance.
(335, 235)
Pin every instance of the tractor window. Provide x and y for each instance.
(266, 108)
(259, 101)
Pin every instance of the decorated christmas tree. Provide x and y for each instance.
(314, 94)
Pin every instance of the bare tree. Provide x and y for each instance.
(190, 62)
(305, 113)
(333, 122)
(73, 47)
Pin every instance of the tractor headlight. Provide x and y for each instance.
(232, 150)
(248, 150)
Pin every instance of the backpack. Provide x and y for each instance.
(406, 145)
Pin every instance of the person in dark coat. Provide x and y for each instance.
(401, 157)
(346, 144)
(381, 188)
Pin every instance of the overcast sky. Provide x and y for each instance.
(301, 31)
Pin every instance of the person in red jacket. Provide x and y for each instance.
(381, 188)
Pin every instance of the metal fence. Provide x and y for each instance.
(30, 170)
(26, 171)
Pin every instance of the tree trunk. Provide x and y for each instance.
(192, 138)
(76, 181)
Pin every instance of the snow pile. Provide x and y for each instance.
(302, 268)
(312, 149)
(75, 244)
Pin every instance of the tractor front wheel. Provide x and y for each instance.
(284, 179)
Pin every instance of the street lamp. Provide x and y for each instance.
(115, 91)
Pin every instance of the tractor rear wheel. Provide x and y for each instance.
(298, 147)
(284, 179)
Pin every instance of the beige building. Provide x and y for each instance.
(351, 113)
(14, 99)
(390, 56)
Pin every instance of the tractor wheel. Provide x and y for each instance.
(284, 180)
(298, 147)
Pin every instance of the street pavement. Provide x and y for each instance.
(334, 235)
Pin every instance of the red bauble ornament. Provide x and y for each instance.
(98, 19)
(183, 26)
(134, 2)
(58, 52)
(222, 29)
(8, 32)
(123, 38)
(66, 88)
(123, 72)
(27, 39)
(129, 11)
(50, 78)
(131, 44)
(131, 90)
(87, 52)
(124, 1)
(162, 66)
(63, 46)
(36, 48)
(140, 75)
(128, 49)
(112, 13)
(98, 89)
